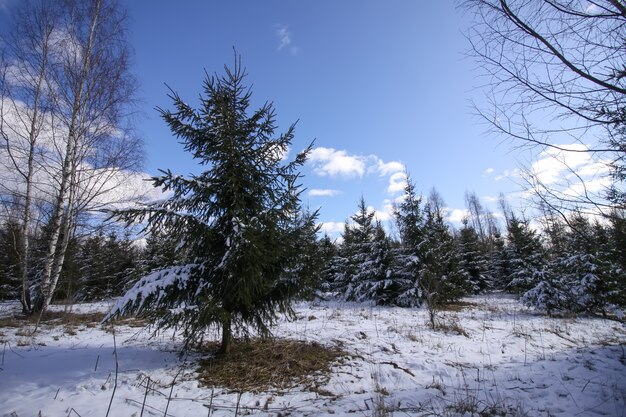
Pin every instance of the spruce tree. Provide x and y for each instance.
(9, 260)
(440, 281)
(525, 254)
(409, 256)
(367, 254)
(309, 257)
(498, 265)
(375, 277)
(236, 220)
(472, 259)
(339, 270)
(440, 278)
(580, 277)
(328, 252)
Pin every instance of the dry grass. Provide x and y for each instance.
(131, 321)
(451, 326)
(457, 306)
(53, 318)
(261, 365)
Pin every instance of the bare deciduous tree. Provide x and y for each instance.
(77, 65)
(555, 76)
(23, 104)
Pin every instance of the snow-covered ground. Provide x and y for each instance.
(509, 359)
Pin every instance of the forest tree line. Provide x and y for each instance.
(566, 264)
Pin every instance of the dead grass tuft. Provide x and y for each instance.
(131, 321)
(457, 306)
(261, 365)
(53, 318)
(450, 326)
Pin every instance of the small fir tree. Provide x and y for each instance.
(409, 256)
(525, 255)
(472, 259)
(439, 279)
(358, 247)
(236, 220)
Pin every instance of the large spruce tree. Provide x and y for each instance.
(238, 220)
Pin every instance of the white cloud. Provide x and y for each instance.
(456, 215)
(555, 166)
(571, 172)
(316, 192)
(514, 173)
(389, 168)
(490, 199)
(593, 186)
(96, 188)
(488, 171)
(332, 228)
(385, 213)
(397, 183)
(285, 39)
(334, 163)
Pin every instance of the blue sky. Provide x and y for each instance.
(376, 84)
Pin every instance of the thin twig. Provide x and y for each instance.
(145, 395)
(169, 397)
(116, 370)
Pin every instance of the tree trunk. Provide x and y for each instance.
(63, 205)
(24, 249)
(227, 337)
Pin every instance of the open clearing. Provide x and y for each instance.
(491, 356)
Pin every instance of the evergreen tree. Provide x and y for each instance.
(379, 282)
(369, 259)
(409, 256)
(525, 255)
(581, 276)
(616, 249)
(472, 259)
(106, 265)
(235, 219)
(161, 251)
(309, 258)
(440, 281)
(440, 278)
(339, 271)
(328, 251)
(10, 282)
(498, 265)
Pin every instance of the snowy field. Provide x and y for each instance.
(495, 358)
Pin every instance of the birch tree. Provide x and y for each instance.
(83, 78)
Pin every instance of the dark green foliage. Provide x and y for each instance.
(107, 263)
(10, 283)
(409, 256)
(472, 259)
(367, 250)
(498, 265)
(69, 279)
(582, 275)
(525, 254)
(238, 221)
(161, 251)
(310, 257)
(440, 279)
